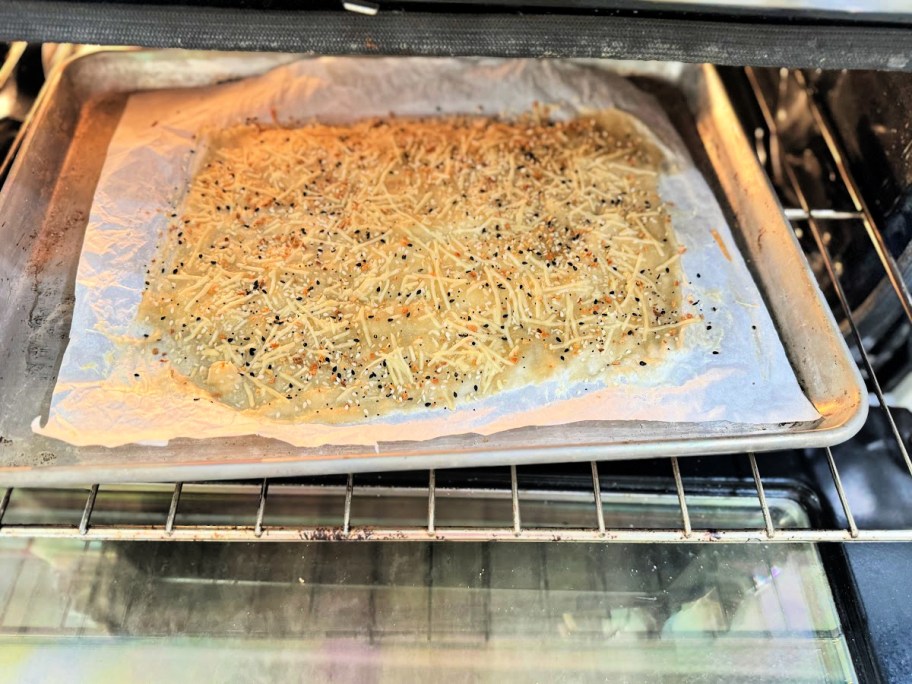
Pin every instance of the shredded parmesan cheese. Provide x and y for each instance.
(330, 273)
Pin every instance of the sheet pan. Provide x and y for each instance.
(66, 146)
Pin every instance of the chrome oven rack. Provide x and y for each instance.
(253, 525)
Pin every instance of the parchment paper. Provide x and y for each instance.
(111, 392)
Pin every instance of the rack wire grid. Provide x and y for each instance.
(252, 526)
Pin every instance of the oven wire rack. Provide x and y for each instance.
(253, 526)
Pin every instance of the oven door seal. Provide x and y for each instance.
(728, 38)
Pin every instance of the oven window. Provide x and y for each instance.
(388, 611)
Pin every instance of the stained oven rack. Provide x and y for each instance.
(253, 525)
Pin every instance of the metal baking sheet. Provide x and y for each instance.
(43, 212)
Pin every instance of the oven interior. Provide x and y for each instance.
(675, 593)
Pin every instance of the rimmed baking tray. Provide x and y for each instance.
(45, 204)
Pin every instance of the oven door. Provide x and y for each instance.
(441, 611)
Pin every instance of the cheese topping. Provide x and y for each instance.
(332, 273)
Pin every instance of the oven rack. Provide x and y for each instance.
(252, 525)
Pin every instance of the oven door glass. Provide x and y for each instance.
(461, 612)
